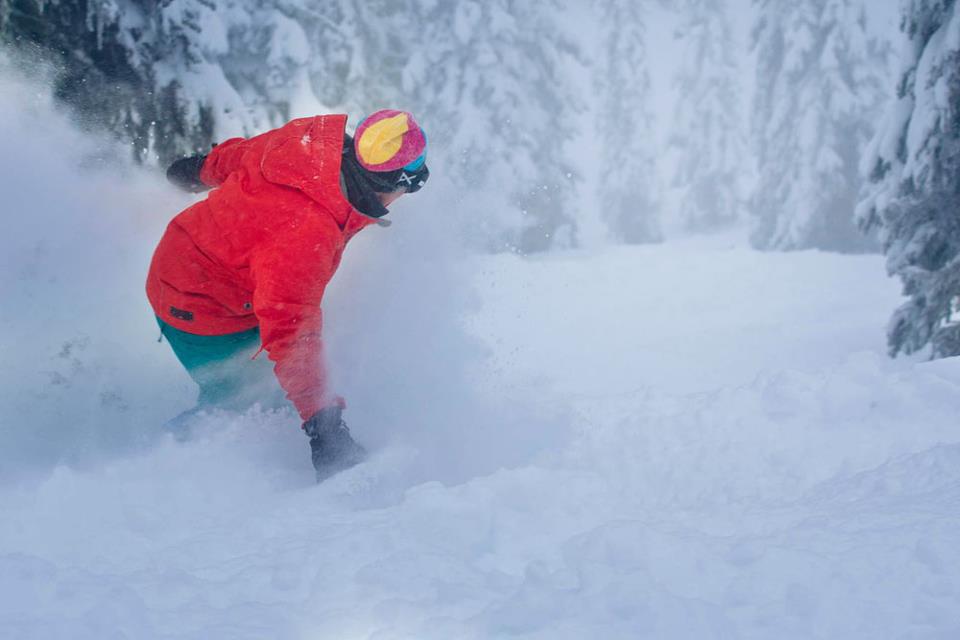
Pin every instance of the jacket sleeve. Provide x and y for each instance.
(290, 276)
(223, 160)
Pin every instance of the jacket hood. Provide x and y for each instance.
(305, 154)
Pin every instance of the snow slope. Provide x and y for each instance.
(692, 440)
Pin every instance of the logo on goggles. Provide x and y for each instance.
(413, 180)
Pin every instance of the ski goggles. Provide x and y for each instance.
(409, 178)
(413, 180)
(414, 175)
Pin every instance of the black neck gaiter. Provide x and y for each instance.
(360, 191)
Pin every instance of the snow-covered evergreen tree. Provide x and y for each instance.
(628, 193)
(914, 166)
(708, 127)
(96, 74)
(495, 70)
(820, 88)
(178, 47)
(148, 72)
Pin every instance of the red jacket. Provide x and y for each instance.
(261, 248)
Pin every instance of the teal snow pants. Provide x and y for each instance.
(224, 369)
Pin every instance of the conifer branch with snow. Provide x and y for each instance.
(914, 167)
(820, 85)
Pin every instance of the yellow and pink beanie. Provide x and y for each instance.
(389, 140)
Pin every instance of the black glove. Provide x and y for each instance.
(330, 443)
(185, 173)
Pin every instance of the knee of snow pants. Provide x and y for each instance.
(224, 369)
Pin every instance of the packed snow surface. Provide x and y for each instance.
(691, 440)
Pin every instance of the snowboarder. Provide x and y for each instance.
(244, 270)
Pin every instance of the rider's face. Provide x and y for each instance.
(386, 199)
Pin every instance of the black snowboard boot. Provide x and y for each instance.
(330, 443)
